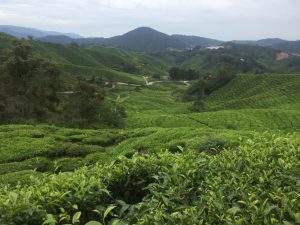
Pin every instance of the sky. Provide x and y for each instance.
(220, 19)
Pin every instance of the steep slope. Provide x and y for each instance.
(264, 91)
(192, 41)
(145, 39)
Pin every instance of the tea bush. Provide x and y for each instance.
(256, 183)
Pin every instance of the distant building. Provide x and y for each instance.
(282, 56)
(214, 47)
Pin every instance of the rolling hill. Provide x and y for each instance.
(107, 63)
(288, 46)
(193, 41)
(24, 32)
(142, 39)
(261, 42)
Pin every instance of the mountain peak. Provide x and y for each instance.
(145, 30)
(146, 39)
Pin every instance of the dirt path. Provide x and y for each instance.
(164, 81)
(138, 85)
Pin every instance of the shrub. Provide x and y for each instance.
(38, 163)
(67, 164)
(102, 140)
(82, 150)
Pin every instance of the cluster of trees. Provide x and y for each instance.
(31, 89)
(176, 73)
(86, 106)
(29, 85)
(206, 85)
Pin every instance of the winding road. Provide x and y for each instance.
(139, 85)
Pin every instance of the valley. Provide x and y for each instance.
(169, 137)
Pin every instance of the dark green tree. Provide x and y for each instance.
(85, 103)
(29, 85)
(87, 107)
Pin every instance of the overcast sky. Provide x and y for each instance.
(220, 19)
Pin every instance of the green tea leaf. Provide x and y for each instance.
(108, 210)
(233, 210)
(75, 218)
(93, 223)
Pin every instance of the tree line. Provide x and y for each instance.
(176, 73)
(207, 84)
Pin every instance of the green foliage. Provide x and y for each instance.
(84, 105)
(256, 183)
(206, 85)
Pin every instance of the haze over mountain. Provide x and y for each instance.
(24, 32)
(288, 46)
(144, 39)
(262, 42)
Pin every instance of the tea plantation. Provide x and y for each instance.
(255, 183)
(235, 161)
(178, 166)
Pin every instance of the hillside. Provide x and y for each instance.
(262, 42)
(58, 39)
(266, 91)
(106, 63)
(244, 58)
(289, 46)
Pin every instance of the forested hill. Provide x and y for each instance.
(108, 63)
